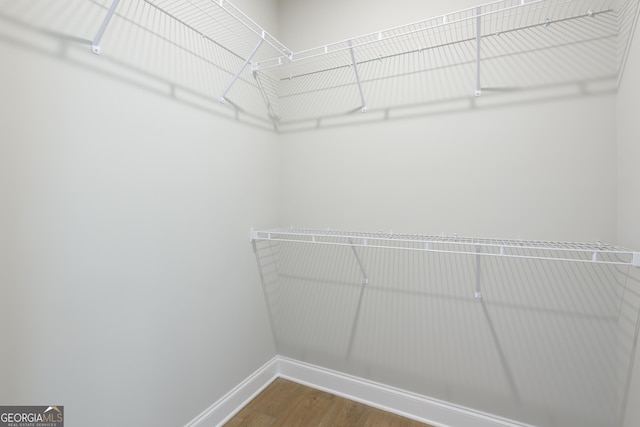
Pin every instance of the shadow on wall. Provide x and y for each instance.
(424, 73)
(550, 343)
(142, 47)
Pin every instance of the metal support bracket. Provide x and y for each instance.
(355, 69)
(478, 293)
(636, 259)
(478, 42)
(245, 65)
(95, 43)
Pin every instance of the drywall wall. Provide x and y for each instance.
(629, 148)
(539, 168)
(334, 20)
(129, 209)
(629, 209)
(531, 171)
(540, 165)
(129, 292)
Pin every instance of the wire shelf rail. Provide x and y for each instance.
(596, 253)
(496, 18)
(494, 47)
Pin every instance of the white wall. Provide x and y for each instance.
(335, 20)
(129, 291)
(536, 167)
(531, 168)
(533, 171)
(629, 202)
(128, 280)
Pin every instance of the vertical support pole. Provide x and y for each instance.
(95, 43)
(478, 294)
(355, 69)
(478, 42)
(237, 76)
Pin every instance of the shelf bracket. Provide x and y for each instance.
(244, 66)
(636, 259)
(477, 294)
(478, 42)
(355, 69)
(365, 278)
(95, 43)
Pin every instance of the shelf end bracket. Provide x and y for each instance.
(355, 69)
(95, 43)
(478, 42)
(636, 259)
(477, 293)
(237, 75)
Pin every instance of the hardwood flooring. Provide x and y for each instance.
(285, 403)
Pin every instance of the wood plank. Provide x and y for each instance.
(286, 403)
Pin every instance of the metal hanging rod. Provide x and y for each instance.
(593, 253)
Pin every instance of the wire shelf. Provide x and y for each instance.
(211, 49)
(223, 23)
(597, 253)
(496, 18)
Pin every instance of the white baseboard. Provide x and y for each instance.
(420, 408)
(431, 411)
(228, 405)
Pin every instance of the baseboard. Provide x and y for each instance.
(228, 405)
(431, 411)
(420, 408)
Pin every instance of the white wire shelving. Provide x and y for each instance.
(357, 74)
(595, 253)
(495, 18)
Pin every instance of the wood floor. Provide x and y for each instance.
(285, 403)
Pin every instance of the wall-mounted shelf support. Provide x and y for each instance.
(95, 43)
(241, 70)
(354, 63)
(478, 43)
(478, 293)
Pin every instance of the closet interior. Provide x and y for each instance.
(533, 332)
